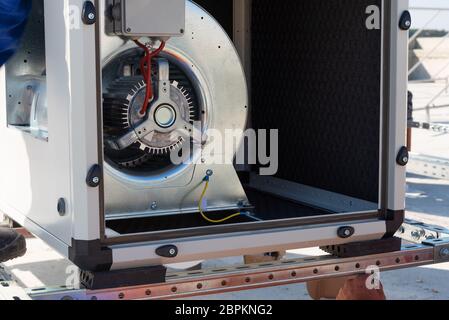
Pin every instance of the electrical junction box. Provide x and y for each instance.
(155, 18)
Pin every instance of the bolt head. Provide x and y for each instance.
(172, 252)
(91, 16)
(444, 252)
(96, 180)
(405, 159)
(154, 206)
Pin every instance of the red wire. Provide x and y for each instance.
(146, 72)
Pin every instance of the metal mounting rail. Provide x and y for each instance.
(256, 276)
(436, 127)
(419, 232)
(432, 247)
(429, 166)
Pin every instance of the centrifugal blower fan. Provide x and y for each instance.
(197, 87)
(137, 141)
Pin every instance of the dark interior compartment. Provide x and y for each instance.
(316, 76)
(170, 222)
(267, 207)
(271, 207)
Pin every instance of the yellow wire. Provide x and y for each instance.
(200, 207)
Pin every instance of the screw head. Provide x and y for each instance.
(96, 180)
(91, 16)
(444, 252)
(172, 252)
(209, 173)
(154, 205)
(405, 159)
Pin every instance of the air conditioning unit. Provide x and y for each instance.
(90, 125)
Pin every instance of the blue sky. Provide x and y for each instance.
(421, 17)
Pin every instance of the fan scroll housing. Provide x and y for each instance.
(206, 85)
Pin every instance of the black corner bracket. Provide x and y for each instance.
(95, 262)
(90, 255)
(389, 243)
(394, 220)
